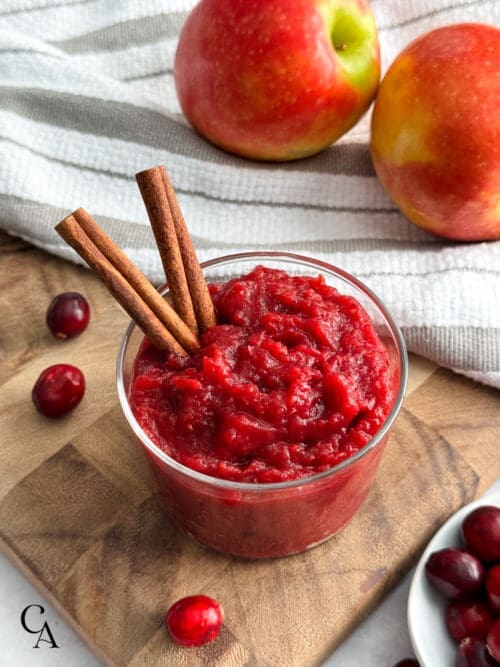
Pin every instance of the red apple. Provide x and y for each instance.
(280, 79)
(435, 134)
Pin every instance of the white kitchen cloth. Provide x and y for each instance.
(87, 99)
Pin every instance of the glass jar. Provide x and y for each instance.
(264, 520)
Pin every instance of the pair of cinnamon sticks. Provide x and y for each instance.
(173, 329)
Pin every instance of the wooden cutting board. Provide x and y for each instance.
(78, 516)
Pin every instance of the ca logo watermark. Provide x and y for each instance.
(44, 633)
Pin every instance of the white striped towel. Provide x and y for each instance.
(87, 99)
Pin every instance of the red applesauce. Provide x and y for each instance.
(293, 380)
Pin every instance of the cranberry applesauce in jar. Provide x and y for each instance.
(266, 441)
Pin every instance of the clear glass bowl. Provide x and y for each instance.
(281, 518)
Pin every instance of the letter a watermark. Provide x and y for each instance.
(44, 633)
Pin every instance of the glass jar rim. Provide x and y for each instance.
(287, 257)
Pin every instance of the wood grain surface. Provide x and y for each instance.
(78, 514)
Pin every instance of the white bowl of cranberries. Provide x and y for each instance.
(454, 601)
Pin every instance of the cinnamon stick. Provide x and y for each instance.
(202, 301)
(70, 230)
(150, 184)
(162, 309)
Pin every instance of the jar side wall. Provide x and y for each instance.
(265, 525)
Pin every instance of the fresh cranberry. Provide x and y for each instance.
(481, 533)
(472, 652)
(407, 662)
(468, 618)
(194, 620)
(68, 315)
(454, 573)
(58, 390)
(493, 641)
(493, 588)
